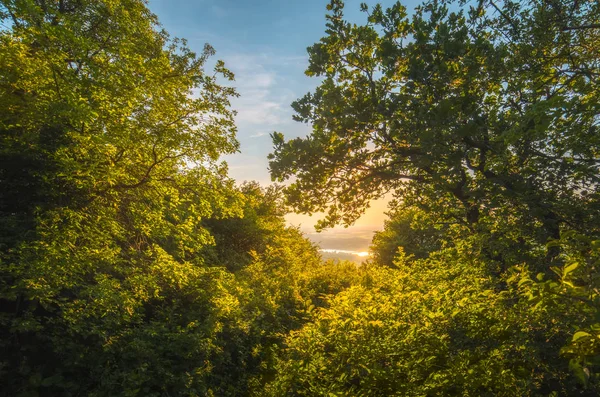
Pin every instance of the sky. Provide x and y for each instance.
(263, 42)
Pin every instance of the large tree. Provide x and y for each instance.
(110, 137)
(485, 113)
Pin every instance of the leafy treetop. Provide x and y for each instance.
(477, 111)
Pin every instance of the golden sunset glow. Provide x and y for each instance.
(158, 159)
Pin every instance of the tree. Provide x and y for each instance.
(406, 229)
(238, 238)
(436, 326)
(110, 137)
(485, 115)
(570, 297)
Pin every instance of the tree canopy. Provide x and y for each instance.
(110, 137)
(131, 264)
(476, 111)
(481, 119)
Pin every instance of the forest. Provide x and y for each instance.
(132, 264)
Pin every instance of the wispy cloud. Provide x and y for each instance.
(258, 135)
(260, 102)
(262, 81)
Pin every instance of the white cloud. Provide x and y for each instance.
(258, 135)
(266, 93)
(260, 101)
(255, 109)
(261, 81)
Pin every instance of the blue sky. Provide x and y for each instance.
(264, 43)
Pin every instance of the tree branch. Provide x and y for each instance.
(506, 17)
(582, 27)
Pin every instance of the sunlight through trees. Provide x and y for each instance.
(131, 264)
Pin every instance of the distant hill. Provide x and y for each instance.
(350, 244)
(356, 239)
(352, 256)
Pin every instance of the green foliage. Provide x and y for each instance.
(432, 327)
(409, 230)
(481, 117)
(259, 224)
(572, 297)
(279, 291)
(130, 263)
(109, 167)
(481, 114)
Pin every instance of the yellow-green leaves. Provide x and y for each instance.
(447, 110)
(110, 135)
(423, 328)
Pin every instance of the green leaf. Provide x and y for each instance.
(580, 335)
(582, 374)
(570, 268)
